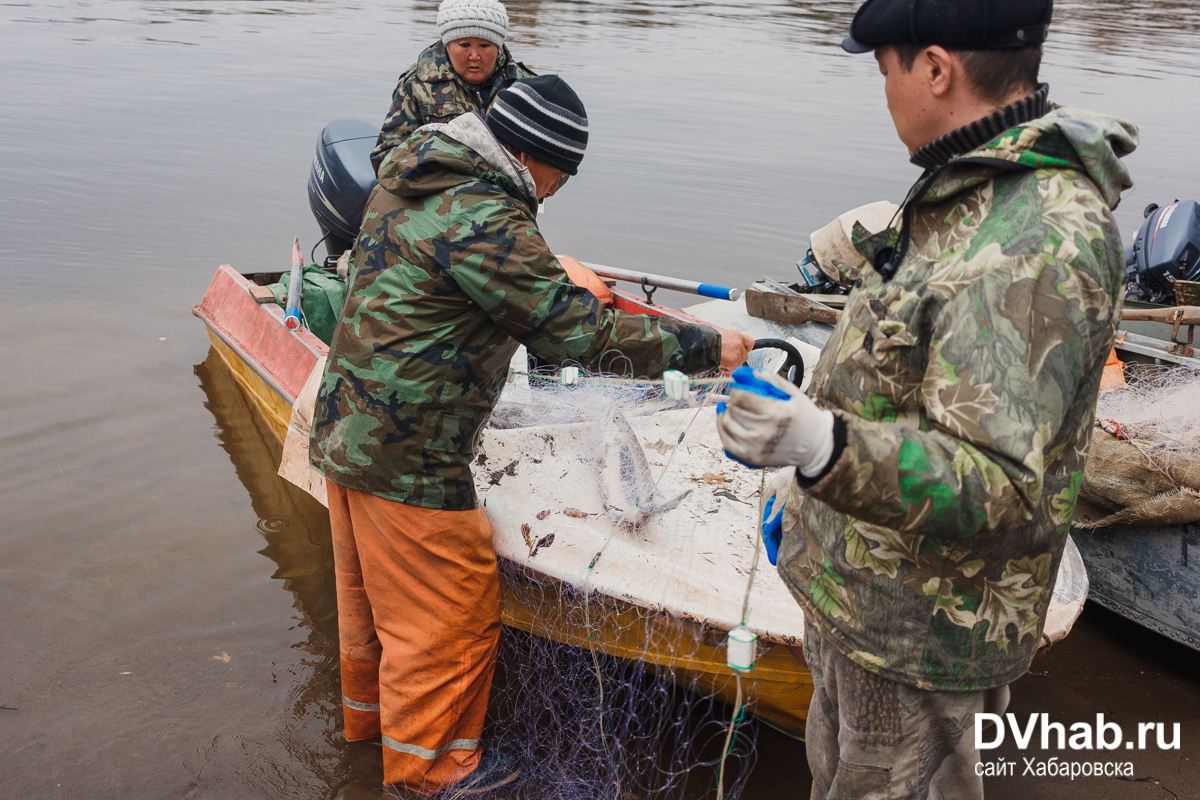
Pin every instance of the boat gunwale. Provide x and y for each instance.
(243, 355)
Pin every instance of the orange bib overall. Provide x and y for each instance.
(419, 617)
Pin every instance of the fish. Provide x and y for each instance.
(626, 483)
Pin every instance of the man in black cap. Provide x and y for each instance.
(940, 452)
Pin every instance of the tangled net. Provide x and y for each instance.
(584, 723)
(589, 726)
(1157, 411)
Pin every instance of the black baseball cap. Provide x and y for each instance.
(956, 24)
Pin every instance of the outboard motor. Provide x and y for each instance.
(1166, 249)
(341, 180)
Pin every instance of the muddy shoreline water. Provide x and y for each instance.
(168, 603)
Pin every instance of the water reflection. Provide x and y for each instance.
(309, 756)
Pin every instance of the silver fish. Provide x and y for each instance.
(625, 478)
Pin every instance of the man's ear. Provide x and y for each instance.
(941, 69)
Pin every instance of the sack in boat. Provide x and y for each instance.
(1123, 486)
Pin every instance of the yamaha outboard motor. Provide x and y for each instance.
(341, 180)
(1167, 249)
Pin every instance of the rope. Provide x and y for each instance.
(739, 711)
(762, 485)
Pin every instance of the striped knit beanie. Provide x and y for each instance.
(544, 118)
(481, 19)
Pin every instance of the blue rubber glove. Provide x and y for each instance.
(772, 530)
(771, 504)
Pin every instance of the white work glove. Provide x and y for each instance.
(771, 432)
(778, 488)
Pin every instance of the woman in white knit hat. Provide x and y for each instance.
(462, 72)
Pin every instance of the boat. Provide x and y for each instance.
(665, 595)
(274, 364)
(1149, 574)
(594, 585)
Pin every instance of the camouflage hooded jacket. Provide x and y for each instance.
(964, 389)
(449, 274)
(431, 91)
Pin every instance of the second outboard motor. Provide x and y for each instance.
(1166, 249)
(341, 180)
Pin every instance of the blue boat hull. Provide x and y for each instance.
(1148, 575)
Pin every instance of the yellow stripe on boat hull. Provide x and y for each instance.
(275, 410)
(779, 687)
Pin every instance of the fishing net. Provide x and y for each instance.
(1144, 463)
(535, 398)
(1157, 410)
(628, 546)
(611, 693)
(592, 726)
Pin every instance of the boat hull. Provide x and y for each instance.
(1148, 575)
(272, 364)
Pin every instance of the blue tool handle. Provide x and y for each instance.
(291, 314)
(772, 531)
(719, 292)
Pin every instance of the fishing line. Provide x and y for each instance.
(738, 710)
(587, 594)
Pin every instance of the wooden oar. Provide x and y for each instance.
(1180, 315)
(792, 309)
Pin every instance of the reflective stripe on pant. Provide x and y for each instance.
(418, 602)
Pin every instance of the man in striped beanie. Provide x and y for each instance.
(543, 119)
(450, 275)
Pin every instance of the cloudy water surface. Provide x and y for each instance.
(166, 603)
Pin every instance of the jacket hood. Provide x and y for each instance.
(1065, 138)
(440, 156)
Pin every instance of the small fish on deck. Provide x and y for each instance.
(626, 482)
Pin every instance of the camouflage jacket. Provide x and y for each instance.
(431, 91)
(448, 275)
(964, 389)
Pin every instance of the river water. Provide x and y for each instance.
(166, 603)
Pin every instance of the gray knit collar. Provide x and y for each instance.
(978, 133)
(471, 130)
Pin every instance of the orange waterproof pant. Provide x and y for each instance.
(419, 622)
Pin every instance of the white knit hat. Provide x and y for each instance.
(482, 19)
